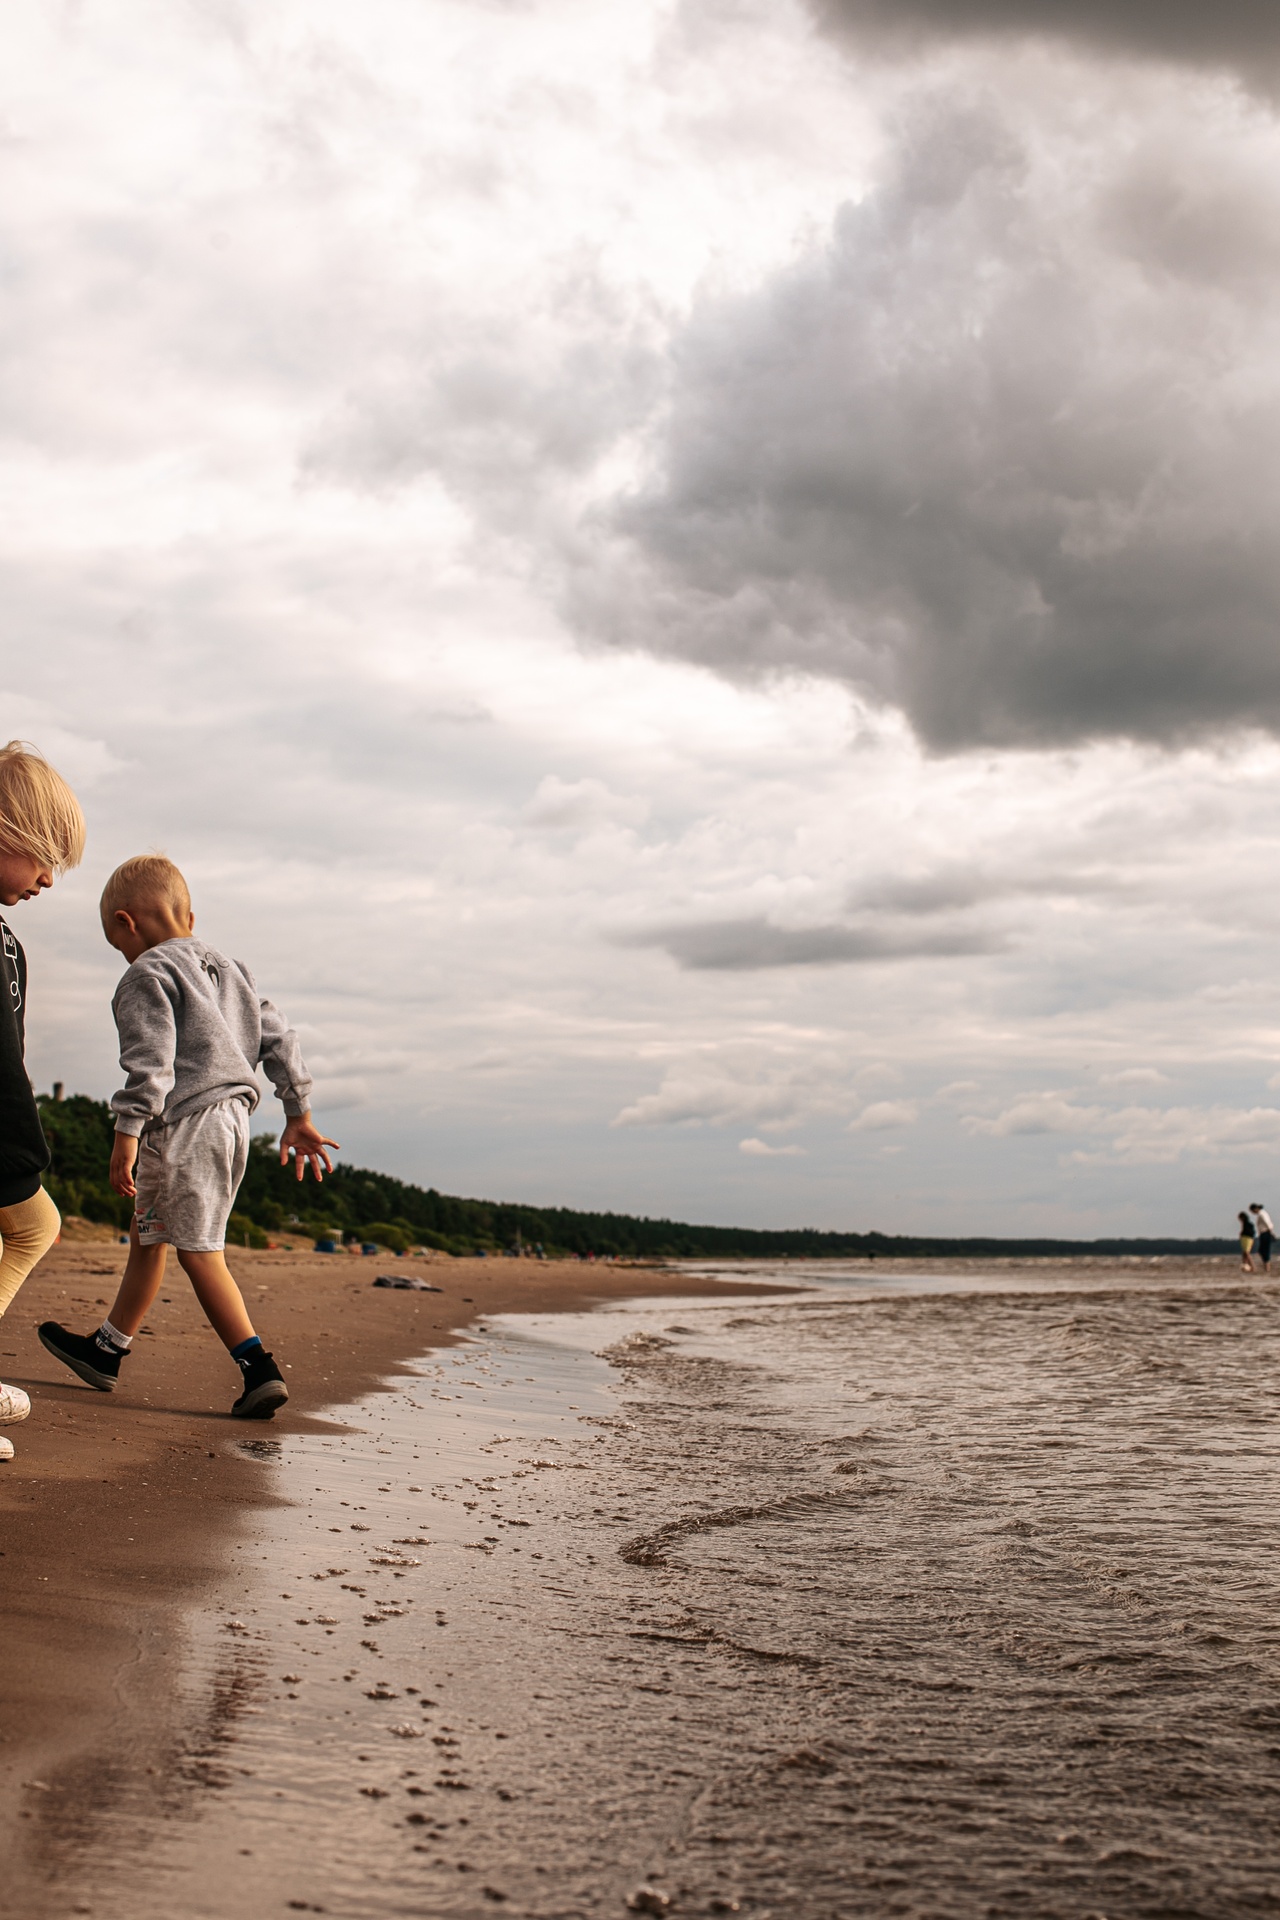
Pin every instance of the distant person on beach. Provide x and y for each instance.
(193, 1031)
(1246, 1244)
(41, 835)
(1266, 1233)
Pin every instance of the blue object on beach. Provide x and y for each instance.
(369, 1246)
(325, 1246)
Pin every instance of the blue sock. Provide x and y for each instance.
(247, 1352)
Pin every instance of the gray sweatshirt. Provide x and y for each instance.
(193, 1028)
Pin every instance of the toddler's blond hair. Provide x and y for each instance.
(39, 814)
(148, 880)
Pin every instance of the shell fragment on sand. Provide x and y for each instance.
(649, 1900)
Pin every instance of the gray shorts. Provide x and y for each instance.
(188, 1174)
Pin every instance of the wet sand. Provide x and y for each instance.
(119, 1509)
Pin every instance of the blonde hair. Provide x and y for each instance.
(149, 879)
(39, 814)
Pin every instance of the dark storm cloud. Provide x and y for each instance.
(752, 944)
(1004, 452)
(956, 887)
(1244, 34)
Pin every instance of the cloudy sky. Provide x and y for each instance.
(695, 586)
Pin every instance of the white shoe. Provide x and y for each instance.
(14, 1406)
(6, 1449)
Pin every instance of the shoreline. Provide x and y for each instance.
(842, 1599)
(618, 1507)
(118, 1510)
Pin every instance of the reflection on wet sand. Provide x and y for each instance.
(958, 1603)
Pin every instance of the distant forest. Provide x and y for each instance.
(356, 1202)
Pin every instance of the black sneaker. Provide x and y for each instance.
(264, 1390)
(97, 1365)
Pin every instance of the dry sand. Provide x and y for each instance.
(118, 1507)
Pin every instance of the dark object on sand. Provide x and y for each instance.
(406, 1282)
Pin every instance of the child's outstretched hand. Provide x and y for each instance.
(307, 1143)
(124, 1152)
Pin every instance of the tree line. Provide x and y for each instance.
(356, 1202)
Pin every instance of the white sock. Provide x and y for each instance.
(109, 1336)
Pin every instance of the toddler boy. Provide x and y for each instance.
(193, 1030)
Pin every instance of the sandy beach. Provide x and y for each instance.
(840, 1594)
(118, 1507)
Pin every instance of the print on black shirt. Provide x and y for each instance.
(24, 1154)
(13, 982)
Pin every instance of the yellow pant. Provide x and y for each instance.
(27, 1232)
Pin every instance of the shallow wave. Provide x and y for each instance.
(1038, 1620)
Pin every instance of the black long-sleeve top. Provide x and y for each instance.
(24, 1152)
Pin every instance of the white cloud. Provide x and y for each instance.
(1042, 1113)
(1138, 1136)
(84, 760)
(761, 1150)
(1146, 1136)
(882, 1115)
(878, 1073)
(774, 1085)
(582, 804)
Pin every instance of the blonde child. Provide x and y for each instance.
(41, 835)
(193, 1030)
